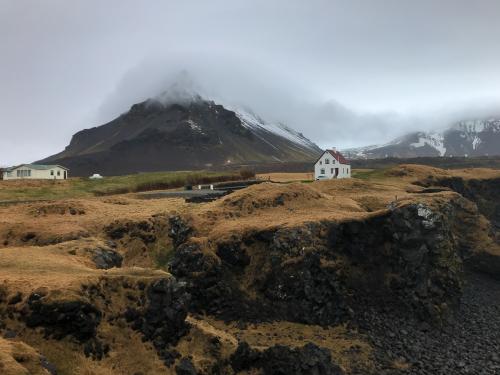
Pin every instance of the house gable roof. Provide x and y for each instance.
(337, 155)
(40, 167)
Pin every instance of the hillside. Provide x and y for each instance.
(188, 135)
(465, 138)
(382, 274)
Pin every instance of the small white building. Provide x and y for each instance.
(36, 172)
(331, 164)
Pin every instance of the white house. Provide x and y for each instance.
(36, 172)
(331, 164)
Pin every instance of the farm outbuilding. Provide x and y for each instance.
(36, 172)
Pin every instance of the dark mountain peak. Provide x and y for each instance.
(182, 131)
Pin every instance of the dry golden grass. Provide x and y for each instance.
(128, 354)
(51, 226)
(347, 347)
(17, 358)
(25, 269)
(268, 205)
(415, 172)
(285, 177)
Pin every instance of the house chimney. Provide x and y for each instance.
(333, 149)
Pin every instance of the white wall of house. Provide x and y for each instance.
(27, 172)
(328, 166)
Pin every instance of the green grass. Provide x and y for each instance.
(369, 174)
(84, 187)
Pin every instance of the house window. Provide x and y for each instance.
(320, 162)
(51, 173)
(23, 173)
(327, 161)
(58, 173)
(331, 170)
(322, 171)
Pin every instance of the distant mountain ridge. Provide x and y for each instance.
(192, 133)
(465, 138)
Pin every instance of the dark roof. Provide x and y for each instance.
(337, 155)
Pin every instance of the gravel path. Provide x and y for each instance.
(470, 344)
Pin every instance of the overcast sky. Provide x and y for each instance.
(345, 73)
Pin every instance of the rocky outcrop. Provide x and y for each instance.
(162, 321)
(142, 229)
(157, 309)
(185, 367)
(179, 229)
(78, 319)
(325, 272)
(105, 258)
(280, 359)
(484, 192)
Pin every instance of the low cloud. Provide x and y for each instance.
(344, 73)
(276, 97)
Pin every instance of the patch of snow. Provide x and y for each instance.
(478, 126)
(193, 125)
(476, 142)
(435, 140)
(253, 122)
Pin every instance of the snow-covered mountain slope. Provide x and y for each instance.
(465, 138)
(257, 124)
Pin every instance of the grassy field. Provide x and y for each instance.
(22, 190)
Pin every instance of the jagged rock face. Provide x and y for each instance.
(323, 273)
(279, 359)
(485, 193)
(158, 310)
(78, 319)
(407, 257)
(196, 134)
(163, 320)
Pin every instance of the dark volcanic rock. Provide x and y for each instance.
(106, 258)
(163, 320)
(179, 230)
(78, 319)
(484, 192)
(322, 273)
(185, 367)
(233, 254)
(279, 359)
(468, 344)
(306, 292)
(51, 369)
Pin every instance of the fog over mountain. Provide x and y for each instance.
(345, 74)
